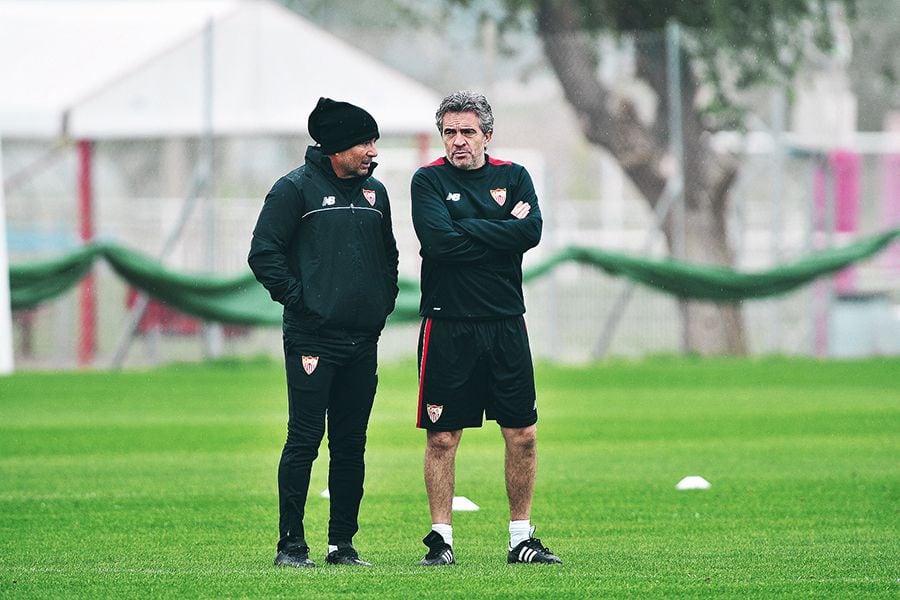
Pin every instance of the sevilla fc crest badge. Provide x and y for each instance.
(309, 363)
(434, 412)
(370, 196)
(499, 196)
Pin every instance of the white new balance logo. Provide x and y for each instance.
(453, 197)
(328, 201)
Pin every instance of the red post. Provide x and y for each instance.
(87, 343)
(835, 217)
(846, 168)
(422, 143)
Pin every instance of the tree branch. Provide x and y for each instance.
(606, 119)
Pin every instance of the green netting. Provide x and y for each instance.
(720, 284)
(38, 282)
(241, 300)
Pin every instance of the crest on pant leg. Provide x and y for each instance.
(434, 411)
(309, 363)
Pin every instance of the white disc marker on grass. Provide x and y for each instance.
(693, 482)
(461, 503)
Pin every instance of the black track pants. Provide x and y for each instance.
(342, 391)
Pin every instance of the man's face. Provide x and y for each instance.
(464, 141)
(354, 161)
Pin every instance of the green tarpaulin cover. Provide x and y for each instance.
(241, 300)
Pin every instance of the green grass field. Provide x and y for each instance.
(162, 484)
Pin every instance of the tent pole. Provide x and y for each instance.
(201, 188)
(87, 343)
(199, 184)
(676, 146)
(671, 200)
(6, 342)
(669, 196)
(212, 331)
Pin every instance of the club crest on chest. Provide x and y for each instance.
(499, 195)
(369, 196)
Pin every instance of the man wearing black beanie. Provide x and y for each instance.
(324, 247)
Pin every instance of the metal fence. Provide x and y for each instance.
(784, 204)
(568, 310)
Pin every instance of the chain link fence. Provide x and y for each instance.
(782, 207)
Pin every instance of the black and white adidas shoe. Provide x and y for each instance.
(532, 551)
(439, 552)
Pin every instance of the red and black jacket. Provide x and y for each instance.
(471, 246)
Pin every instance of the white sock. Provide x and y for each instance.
(331, 548)
(519, 531)
(445, 530)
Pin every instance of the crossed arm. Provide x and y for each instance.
(517, 234)
(472, 239)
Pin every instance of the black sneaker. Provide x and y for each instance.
(439, 551)
(294, 557)
(346, 555)
(532, 551)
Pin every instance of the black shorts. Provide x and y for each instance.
(469, 370)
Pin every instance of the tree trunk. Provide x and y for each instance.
(643, 152)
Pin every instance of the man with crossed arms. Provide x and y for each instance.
(475, 216)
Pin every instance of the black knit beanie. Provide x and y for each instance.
(337, 126)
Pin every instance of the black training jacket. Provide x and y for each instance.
(471, 246)
(324, 247)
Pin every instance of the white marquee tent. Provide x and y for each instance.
(130, 69)
(96, 69)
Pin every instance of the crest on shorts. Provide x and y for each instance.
(370, 196)
(499, 195)
(309, 363)
(434, 412)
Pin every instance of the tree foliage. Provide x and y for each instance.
(725, 47)
(737, 43)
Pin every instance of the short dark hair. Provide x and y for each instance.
(466, 101)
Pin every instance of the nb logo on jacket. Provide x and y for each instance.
(328, 201)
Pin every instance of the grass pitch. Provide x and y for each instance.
(162, 484)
